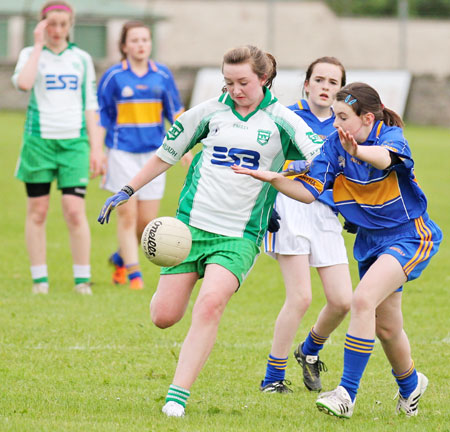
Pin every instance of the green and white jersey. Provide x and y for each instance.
(216, 199)
(64, 88)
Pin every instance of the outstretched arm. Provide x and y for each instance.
(292, 189)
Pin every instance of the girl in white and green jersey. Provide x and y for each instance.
(61, 139)
(227, 214)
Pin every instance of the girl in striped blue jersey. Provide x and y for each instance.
(136, 97)
(368, 164)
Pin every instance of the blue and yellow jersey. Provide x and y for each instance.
(366, 196)
(133, 108)
(321, 128)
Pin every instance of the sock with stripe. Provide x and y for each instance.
(357, 352)
(177, 394)
(276, 369)
(313, 343)
(407, 381)
(39, 273)
(133, 271)
(116, 259)
(81, 273)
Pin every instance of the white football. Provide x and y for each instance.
(166, 241)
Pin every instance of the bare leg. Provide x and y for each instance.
(297, 281)
(126, 231)
(337, 286)
(389, 329)
(147, 211)
(74, 211)
(37, 209)
(380, 281)
(218, 286)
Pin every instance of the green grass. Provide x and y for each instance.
(70, 363)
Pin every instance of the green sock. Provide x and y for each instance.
(41, 279)
(177, 394)
(81, 280)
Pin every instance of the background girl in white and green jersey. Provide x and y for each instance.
(227, 214)
(61, 139)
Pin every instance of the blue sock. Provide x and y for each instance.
(407, 381)
(276, 369)
(117, 259)
(356, 356)
(313, 343)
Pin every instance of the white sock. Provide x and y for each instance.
(82, 271)
(39, 271)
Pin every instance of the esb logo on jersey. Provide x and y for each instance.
(61, 82)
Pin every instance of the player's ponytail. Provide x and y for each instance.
(364, 99)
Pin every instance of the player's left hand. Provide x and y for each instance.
(348, 141)
(351, 228)
(97, 163)
(274, 224)
(111, 203)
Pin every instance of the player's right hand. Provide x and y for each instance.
(111, 203)
(297, 167)
(39, 32)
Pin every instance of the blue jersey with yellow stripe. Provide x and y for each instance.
(133, 108)
(366, 196)
(321, 128)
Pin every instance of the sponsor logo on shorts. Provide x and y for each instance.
(398, 250)
(80, 191)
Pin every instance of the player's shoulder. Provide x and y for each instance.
(78, 51)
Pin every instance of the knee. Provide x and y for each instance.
(74, 217)
(361, 303)
(38, 214)
(340, 306)
(386, 332)
(162, 317)
(208, 309)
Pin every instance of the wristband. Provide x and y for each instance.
(128, 190)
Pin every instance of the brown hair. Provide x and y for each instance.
(124, 32)
(364, 99)
(329, 60)
(261, 63)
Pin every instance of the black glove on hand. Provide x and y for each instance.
(274, 225)
(350, 227)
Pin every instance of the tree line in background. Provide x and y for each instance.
(416, 8)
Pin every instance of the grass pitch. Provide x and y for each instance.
(71, 363)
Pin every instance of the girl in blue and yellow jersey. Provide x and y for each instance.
(368, 164)
(135, 98)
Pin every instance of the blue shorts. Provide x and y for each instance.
(411, 244)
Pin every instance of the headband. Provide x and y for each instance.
(60, 7)
(348, 101)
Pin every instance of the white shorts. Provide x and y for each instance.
(123, 166)
(307, 229)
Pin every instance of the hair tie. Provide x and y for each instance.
(348, 101)
(53, 7)
(382, 107)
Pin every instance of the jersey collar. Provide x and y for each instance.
(375, 132)
(268, 99)
(70, 45)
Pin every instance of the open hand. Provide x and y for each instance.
(266, 176)
(348, 142)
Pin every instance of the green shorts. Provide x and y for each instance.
(42, 160)
(236, 254)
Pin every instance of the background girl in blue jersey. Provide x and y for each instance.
(136, 97)
(368, 164)
(61, 139)
(227, 214)
(309, 235)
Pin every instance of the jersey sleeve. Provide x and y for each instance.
(188, 130)
(106, 100)
(23, 58)
(90, 85)
(172, 105)
(323, 170)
